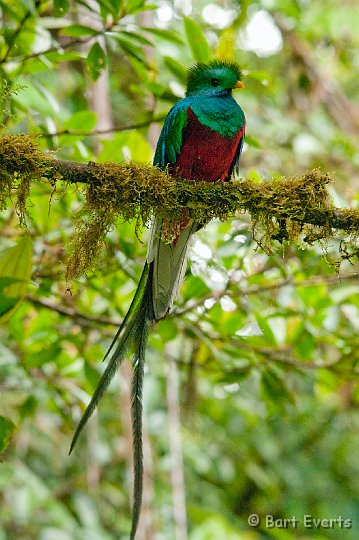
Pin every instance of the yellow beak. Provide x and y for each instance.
(239, 84)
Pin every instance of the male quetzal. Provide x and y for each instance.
(202, 139)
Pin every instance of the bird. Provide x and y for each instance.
(201, 140)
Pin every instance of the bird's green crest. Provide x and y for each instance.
(215, 78)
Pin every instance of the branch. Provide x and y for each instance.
(96, 132)
(12, 39)
(21, 59)
(71, 312)
(316, 280)
(191, 306)
(295, 209)
(280, 355)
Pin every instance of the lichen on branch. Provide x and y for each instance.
(297, 209)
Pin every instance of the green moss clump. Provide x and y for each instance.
(21, 163)
(291, 209)
(118, 191)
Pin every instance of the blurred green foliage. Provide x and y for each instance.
(266, 347)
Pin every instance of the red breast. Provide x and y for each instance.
(205, 154)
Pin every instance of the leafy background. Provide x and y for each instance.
(251, 392)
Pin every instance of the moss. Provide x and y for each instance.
(107, 200)
(292, 209)
(21, 163)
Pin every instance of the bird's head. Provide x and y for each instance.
(217, 78)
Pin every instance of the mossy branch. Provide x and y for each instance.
(281, 209)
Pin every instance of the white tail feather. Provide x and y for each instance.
(169, 266)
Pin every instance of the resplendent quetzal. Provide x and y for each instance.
(202, 139)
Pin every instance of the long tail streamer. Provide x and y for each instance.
(132, 334)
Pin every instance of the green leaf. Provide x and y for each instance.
(33, 99)
(168, 330)
(161, 91)
(78, 30)
(81, 121)
(197, 41)
(176, 68)
(167, 35)
(251, 141)
(38, 358)
(61, 7)
(194, 287)
(28, 407)
(129, 47)
(274, 389)
(29, 5)
(46, 61)
(136, 38)
(6, 302)
(91, 374)
(16, 266)
(266, 329)
(132, 6)
(213, 527)
(6, 429)
(96, 61)
(11, 13)
(113, 7)
(126, 145)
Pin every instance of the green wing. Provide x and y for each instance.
(170, 141)
(169, 260)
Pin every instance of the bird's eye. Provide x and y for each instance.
(214, 82)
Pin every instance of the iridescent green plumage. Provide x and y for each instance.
(202, 139)
(222, 115)
(199, 78)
